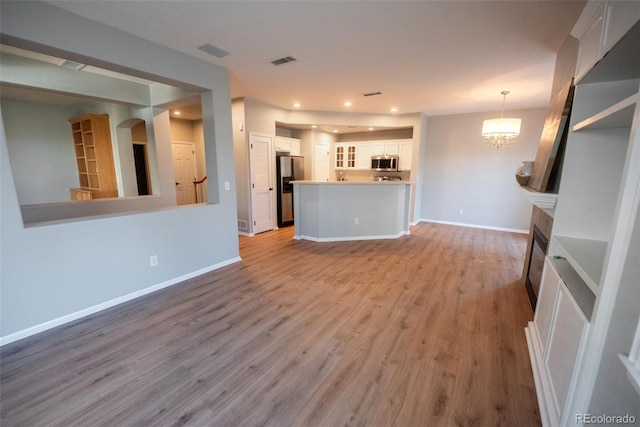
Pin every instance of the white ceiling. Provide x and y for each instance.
(435, 57)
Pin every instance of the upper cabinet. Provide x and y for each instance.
(357, 155)
(365, 151)
(94, 157)
(601, 25)
(406, 155)
(345, 155)
(619, 18)
(288, 145)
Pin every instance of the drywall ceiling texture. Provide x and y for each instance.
(434, 57)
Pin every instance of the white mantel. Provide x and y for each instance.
(546, 201)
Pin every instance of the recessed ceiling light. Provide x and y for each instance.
(370, 128)
(335, 131)
(347, 103)
(177, 113)
(394, 110)
(296, 105)
(314, 126)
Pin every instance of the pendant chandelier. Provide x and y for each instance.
(501, 132)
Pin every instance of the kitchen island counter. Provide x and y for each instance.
(351, 210)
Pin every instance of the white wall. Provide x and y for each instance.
(461, 171)
(52, 273)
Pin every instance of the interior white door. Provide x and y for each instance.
(184, 171)
(260, 163)
(321, 162)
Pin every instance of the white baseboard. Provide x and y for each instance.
(242, 233)
(485, 227)
(349, 238)
(108, 304)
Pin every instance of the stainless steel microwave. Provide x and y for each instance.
(387, 163)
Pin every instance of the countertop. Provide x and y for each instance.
(353, 182)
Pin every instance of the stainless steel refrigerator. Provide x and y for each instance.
(288, 168)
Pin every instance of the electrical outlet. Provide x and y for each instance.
(227, 185)
(356, 221)
(461, 211)
(153, 260)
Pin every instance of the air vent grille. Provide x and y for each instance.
(213, 50)
(72, 65)
(284, 60)
(372, 94)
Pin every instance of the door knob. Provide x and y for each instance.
(270, 189)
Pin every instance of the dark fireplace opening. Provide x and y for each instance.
(536, 263)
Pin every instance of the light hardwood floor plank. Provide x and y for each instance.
(424, 330)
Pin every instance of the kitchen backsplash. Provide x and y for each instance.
(366, 175)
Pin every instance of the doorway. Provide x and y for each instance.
(262, 196)
(321, 164)
(184, 171)
(142, 168)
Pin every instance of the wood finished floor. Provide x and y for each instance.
(425, 330)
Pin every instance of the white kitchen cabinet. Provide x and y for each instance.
(385, 147)
(357, 155)
(392, 148)
(283, 145)
(364, 153)
(345, 155)
(288, 145)
(295, 147)
(378, 148)
(406, 153)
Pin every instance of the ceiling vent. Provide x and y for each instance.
(284, 60)
(71, 65)
(213, 50)
(372, 94)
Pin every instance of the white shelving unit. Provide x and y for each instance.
(593, 219)
(585, 256)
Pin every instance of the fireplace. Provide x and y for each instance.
(543, 184)
(535, 265)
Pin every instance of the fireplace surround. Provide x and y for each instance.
(536, 262)
(539, 234)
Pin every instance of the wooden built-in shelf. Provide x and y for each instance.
(94, 157)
